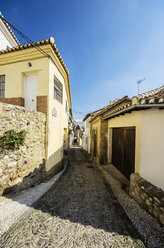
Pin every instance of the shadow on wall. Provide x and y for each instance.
(39, 174)
(54, 162)
(31, 180)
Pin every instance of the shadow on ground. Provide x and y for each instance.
(83, 196)
(80, 196)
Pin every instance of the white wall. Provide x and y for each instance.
(152, 146)
(86, 135)
(6, 38)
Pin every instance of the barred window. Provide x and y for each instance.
(58, 90)
(2, 86)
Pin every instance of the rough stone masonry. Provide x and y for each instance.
(150, 197)
(24, 167)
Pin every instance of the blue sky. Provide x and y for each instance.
(107, 45)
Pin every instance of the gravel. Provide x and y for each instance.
(80, 210)
(13, 206)
(148, 227)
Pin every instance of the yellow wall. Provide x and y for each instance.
(152, 152)
(15, 65)
(56, 124)
(127, 120)
(96, 125)
(15, 72)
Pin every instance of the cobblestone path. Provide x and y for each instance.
(80, 210)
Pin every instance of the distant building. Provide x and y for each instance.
(87, 133)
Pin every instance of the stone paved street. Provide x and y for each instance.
(80, 210)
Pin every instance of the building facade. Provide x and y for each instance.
(128, 133)
(39, 81)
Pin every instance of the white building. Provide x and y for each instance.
(7, 37)
(87, 132)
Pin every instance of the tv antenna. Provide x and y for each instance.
(139, 82)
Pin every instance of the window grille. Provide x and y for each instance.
(2, 86)
(58, 90)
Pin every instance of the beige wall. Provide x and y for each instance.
(14, 72)
(127, 120)
(149, 149)
(152, 152)
(56, 124)
(14, 76)
(96, 125)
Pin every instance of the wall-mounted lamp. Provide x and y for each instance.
(29, 64)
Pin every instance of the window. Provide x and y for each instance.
(66, 106)
(2, 86)
(58, 90)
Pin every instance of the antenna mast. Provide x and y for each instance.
(138, 83)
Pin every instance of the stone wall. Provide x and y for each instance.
(150, 197)
(24, 167)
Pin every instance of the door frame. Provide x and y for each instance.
(24, 78)
(110, 143)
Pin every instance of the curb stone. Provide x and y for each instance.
(149, 229)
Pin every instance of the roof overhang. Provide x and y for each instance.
(134, 107)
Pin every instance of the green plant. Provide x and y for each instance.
(13, 140)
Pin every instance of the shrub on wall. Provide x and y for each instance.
(13, 140)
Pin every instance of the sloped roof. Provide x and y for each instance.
(92, 114)
(145, 100)
(151, 97)
(115, 107)
(9, 29)
(37, 44)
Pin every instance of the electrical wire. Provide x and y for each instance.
(26, 38)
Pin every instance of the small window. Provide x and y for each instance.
(58, 90)
(2, 86)
(66, 106)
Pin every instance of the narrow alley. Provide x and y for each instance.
(80, 210)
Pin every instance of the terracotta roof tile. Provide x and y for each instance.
(151, 97)
(10, 30)
(35, 44)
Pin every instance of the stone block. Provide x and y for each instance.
(148, 196)
(16, 165)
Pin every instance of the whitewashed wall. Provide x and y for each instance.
(6, 39)
(86, 135)
(152, 147)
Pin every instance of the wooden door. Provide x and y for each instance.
(123, 150)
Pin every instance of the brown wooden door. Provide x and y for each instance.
(123, 150)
